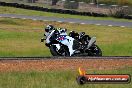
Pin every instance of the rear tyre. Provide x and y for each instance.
(94, 51)
(62, 52)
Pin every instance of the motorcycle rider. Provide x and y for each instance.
(59, 31)
(81, 37)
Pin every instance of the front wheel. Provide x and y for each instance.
(94, 51)
(63, 51)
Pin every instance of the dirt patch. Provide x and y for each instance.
(63, 64)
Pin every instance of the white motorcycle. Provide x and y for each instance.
(68, 45)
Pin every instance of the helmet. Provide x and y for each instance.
(49, 28)
(71, 34)
(74, 34)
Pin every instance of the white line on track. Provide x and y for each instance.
(71, 22)
(12, 17)
(82, 23)
(125, 6)
(23, 18)
(122, 26)
(59, 21)
(97, 24)
(45, 20)
(34, 19)
(110, 25)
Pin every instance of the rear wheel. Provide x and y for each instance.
(63, 51)
(94, 51)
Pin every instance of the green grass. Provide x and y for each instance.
(12, 10)
(56, 79)
(22, 37)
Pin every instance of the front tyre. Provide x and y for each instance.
(55, 52)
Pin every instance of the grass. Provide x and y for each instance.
(22, 37)
(56, 79)
(12, 10)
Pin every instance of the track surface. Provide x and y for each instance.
(71, 20)
(59, 63)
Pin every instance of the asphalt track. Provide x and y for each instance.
(59, 58)
(71, 20)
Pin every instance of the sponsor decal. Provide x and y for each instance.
(102, 78)
(61, 38)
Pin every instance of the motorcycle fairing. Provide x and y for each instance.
(69, 43)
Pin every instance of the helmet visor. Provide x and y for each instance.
(46, 30)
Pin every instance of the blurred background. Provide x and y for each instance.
(109, 7)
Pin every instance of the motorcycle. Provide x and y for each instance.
(72, 44)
